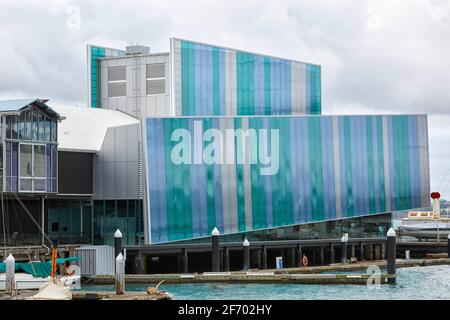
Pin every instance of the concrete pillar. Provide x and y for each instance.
(140, 264)
(215, 264)
(226, 259)
(353, 251)
(322, 256)
(377, 251)
(344, 241)
(264, 258)
(300, 255)
(331, 253)
(120, 274)
(246, 249)
(383, 251)
(185, 261)
(258, 259)
(292, 263)
(391, 244)
(10, 284)
(361, 252)
(371, 252)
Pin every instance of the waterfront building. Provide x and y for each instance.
(332, 174)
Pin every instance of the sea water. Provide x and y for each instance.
(412, 283)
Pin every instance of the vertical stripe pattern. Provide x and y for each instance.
(219, 81)
(328, 168)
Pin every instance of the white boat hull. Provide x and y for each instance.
(24, 282)
(425, 230)
(28, 282)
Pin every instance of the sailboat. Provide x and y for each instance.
(34, 275)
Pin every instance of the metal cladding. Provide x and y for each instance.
(211, 80)
(328, 167)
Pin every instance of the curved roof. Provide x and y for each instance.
(84, 129)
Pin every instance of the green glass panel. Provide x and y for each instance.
(349, 210)
(315, 165)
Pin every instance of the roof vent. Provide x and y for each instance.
(137, 49)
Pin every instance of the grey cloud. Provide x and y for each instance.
(387, 56)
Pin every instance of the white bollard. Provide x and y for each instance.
(120, 274)
(10, 285)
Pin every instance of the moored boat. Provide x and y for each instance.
(426, 224)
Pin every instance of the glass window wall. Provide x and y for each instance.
(34, 162)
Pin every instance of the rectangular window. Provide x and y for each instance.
(14, 166)
(41, 129)
(157, 70)
(8, 127)
(22, 126)
(156, 78)
(117, 89)
(39, 161)
(8, 167)
(34, 124)
(156, 87)
(14, 129)
(117, 84)
(29, 122)
(54, 131)
(26, 185)
(47, 130)
(117, 74)
(33, 167)
(39, 185)
(26, 160)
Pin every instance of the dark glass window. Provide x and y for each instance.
(122, 208)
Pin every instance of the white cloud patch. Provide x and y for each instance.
(387, 56)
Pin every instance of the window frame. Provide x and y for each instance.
(147, 79)
(117, 81)
(32, 178)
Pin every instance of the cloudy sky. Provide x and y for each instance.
(377, 56)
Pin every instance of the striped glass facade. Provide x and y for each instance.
(330, 167)
(95, 54)
(210, 80)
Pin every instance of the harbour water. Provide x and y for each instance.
(412, 284)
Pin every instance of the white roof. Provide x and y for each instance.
(84, 128)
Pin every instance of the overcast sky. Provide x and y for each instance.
(376, 56)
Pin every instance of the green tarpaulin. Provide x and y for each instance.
(37, 269)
